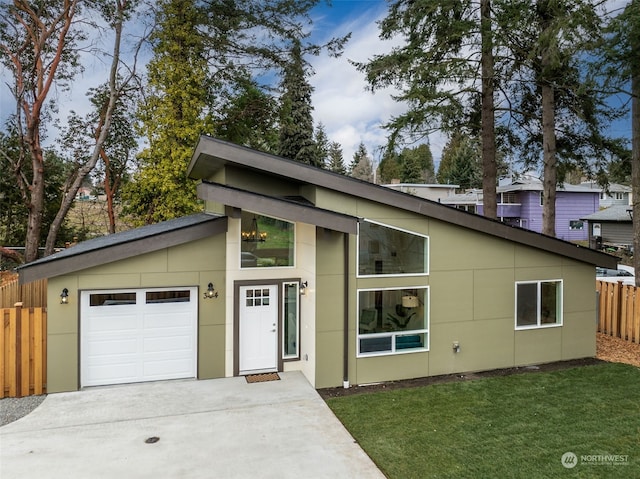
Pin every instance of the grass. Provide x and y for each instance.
(513, 426)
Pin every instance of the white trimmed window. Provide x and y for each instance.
(392, 321)
(384, 250)
(538, 304)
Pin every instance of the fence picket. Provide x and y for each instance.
(23, 362)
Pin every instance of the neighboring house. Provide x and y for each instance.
(614, 194)
(520, 204)
(432, 192)
(610, 227)
(298, 268)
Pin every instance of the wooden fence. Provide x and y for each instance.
(619, 310)
(23, 341)
(33, 295)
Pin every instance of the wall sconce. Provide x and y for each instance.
(303, 287)
(210, 292)
(64, 296)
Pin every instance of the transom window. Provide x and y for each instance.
(538, 304)
(383, 250)
(266, 242)
(393, 321)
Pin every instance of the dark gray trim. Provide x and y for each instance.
(121, 246)
(236, 319)
(270, 206)
(346, 295)
(211, 155)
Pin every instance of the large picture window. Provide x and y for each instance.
(393, 321)
(266, 241)
(538, 304)
(383, 250)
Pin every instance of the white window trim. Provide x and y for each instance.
(289, 357)
(295, 245)
(539, 325)
(400, 275)
(393, 351)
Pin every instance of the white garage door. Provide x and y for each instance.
(138, 335)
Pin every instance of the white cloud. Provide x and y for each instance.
(349, 111)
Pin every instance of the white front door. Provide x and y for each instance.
(258, 330)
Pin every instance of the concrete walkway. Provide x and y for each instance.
(220, 428)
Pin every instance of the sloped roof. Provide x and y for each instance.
(125, 244)
(529, 183)
(211, 155)
(615, 213)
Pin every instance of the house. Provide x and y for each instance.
(610, 227)
(520, 204)
(292, 267)
(613, 194)
(429, 191)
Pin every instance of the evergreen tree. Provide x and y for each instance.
(361, 167)
(322, 146)
(390, 168)
(444, 72)
(296, 121)
(336, 159)
(417, 164)
(461, 163)
(172, 117)
(560, 110)
(249, 117)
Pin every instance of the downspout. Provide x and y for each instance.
(345, 346)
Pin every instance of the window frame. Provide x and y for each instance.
(293, 247)
(574, 223)
(393, 275)
(560, 307)
(393, 334)
(283, 319)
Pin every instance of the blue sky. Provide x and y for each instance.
(349, 112)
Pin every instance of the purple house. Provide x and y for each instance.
(520, 204)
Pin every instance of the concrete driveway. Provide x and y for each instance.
(220, 428)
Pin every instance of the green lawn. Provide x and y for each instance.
(504, 427)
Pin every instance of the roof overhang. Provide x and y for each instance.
(277, 207)
(85, 256)
(212, 154)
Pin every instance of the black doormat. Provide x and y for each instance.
(261, 378)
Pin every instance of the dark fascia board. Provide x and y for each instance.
(212, 154)
(280, 208)
(57, 265)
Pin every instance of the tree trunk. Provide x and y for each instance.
(36, 194)
(550, 170)
(489, 168)
(102, 131)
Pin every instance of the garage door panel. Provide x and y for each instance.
(125, 322)
(114, 347)
(170, 369)
(138, 342)
(177, 344)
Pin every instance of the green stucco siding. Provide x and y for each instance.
(472, 278)
(192, 264)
